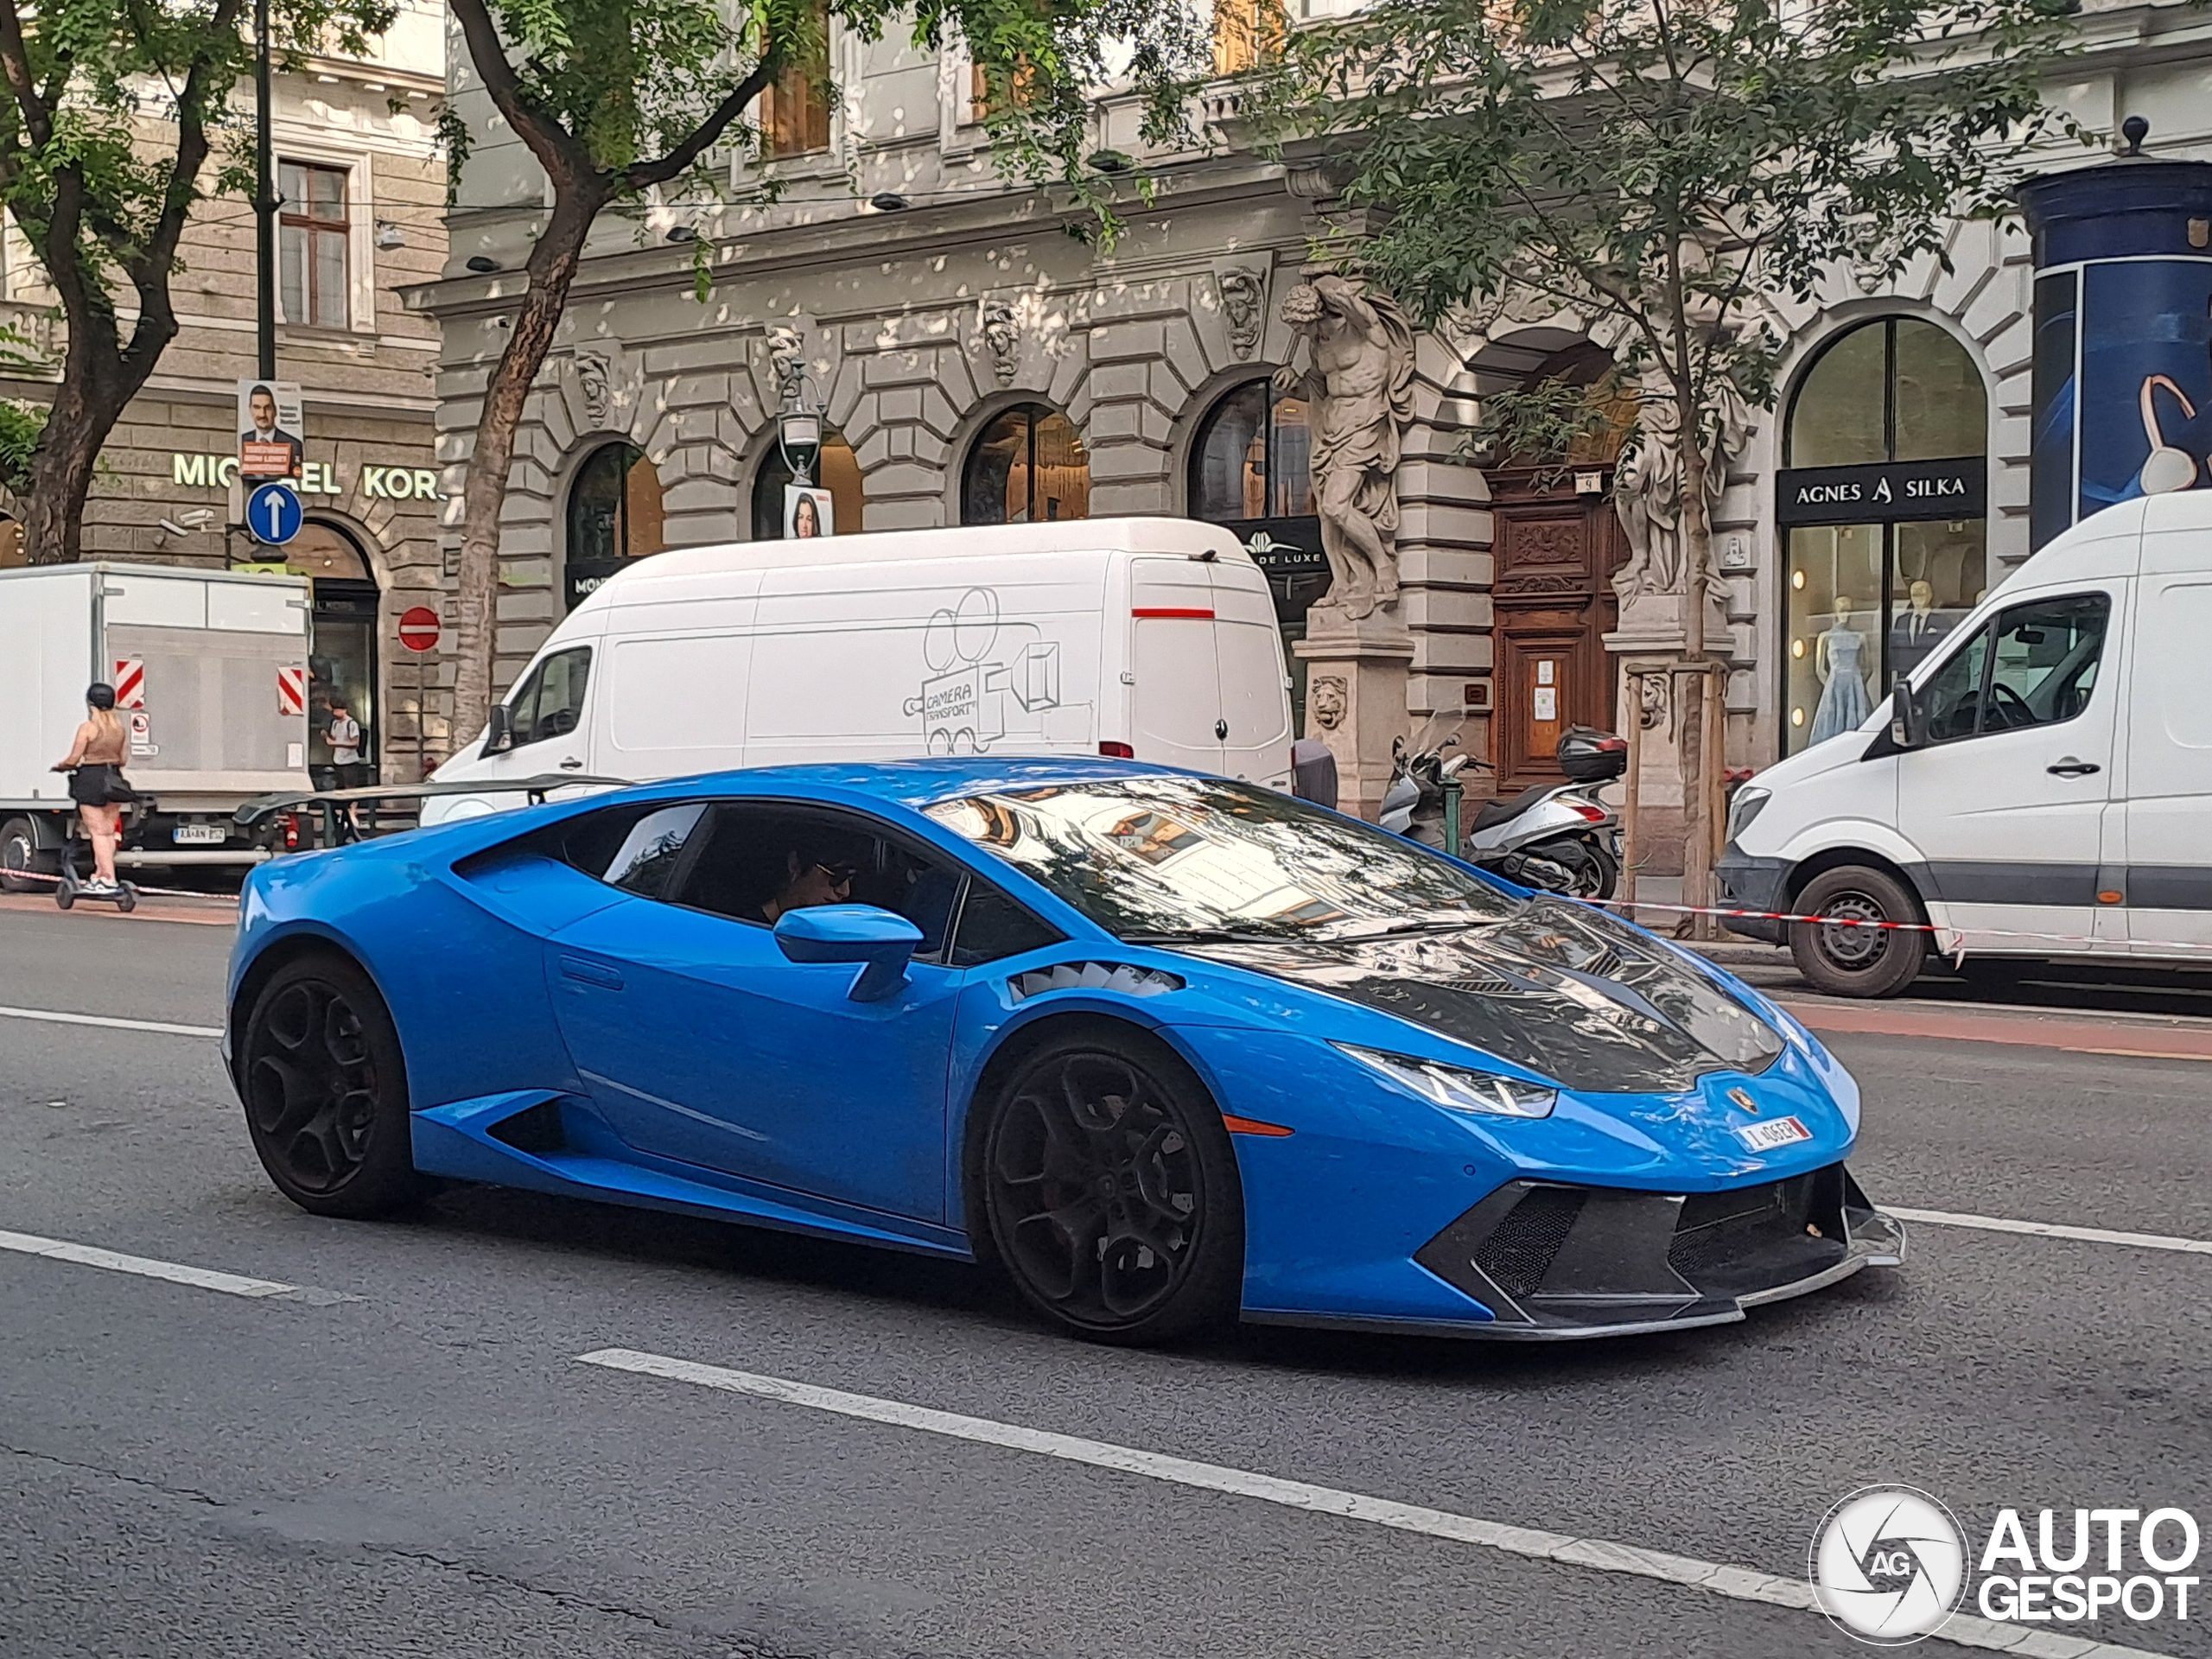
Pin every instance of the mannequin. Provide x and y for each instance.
(1839, 658)
(1917, 630)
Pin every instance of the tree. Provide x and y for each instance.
(108, 139)
(618, 98)
(1662, 170)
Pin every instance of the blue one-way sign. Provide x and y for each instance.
(272, 513)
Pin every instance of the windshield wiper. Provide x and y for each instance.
(1392, 929)
(1204, 936)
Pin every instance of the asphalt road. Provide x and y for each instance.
(416, 1460)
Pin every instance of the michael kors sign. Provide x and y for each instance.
(1886, 492)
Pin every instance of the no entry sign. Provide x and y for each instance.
(418, 628)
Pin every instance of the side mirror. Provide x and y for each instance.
(882, 942)
(1908, 717)
(498, 731)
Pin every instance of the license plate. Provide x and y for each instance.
(1765, 1137)
(200, 835)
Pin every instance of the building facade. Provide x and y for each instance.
(363, 185)
(976, 361)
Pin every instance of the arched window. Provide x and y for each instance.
(614, 513)
(1881, 496)
(1252, 459)
(837, 471)
(1028, 465)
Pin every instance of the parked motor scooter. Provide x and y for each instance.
(1559, 837)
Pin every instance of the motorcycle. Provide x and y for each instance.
(1560, 838)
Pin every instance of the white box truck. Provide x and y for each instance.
(1153, 639)
(211, 676)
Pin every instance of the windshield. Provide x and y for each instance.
(1202, 858)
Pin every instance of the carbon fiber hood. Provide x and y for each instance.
(1562, 989)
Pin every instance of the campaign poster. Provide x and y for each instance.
(808, 512)
(272, 430)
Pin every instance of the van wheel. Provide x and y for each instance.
(21, 861)
(1858, 961)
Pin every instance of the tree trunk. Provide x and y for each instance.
(552, 267)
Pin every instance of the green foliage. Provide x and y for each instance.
(106, 104)
(1660, 168)
(634, 82)
(20, 427)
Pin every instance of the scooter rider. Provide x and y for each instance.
(96, 784)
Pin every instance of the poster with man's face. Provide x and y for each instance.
(270, 430)
(808, 512)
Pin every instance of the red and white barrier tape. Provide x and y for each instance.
(172, 892)
(1956, 951)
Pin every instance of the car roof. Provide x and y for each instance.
(920, 782)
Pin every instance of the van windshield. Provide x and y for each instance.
(1194, 859)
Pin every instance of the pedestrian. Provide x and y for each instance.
(345, 733)
(97, 784)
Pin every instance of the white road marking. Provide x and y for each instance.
(230, 1284)
(2053, 1229)
(1738, 1583)
(54, 1016)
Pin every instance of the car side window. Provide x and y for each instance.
(2034, 664)
(993, 925)
(646, 861)
(759, 859)
(550, 702)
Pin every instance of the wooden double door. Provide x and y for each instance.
(1551, 590)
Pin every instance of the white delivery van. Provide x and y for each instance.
(1154, 639)
(210, 669)
(2040, 787)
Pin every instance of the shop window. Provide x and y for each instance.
(314, 236)
(837, 470)
(614, 507)
(794, 108)
(1027, 467)
(1866, 603)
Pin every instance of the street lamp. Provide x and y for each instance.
(799, 435)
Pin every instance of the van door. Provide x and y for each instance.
(1255, 696)
(547, 715)
(2167, 879)
(2006, 804)
(1180, 719)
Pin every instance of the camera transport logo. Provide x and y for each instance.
(1890, 1565)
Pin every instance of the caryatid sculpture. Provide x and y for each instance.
(1358, 383)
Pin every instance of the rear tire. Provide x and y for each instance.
(1864, 961)
(1109, 1190)
(324, 1084)
(22, 861)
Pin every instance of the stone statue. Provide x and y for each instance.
(593, 371)
(1359, 380)
(1647, 492)
(787, 362)
(1327, 702)
(1002, 335)
(1241, 296)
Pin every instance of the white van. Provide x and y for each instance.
(1154, 639)
(2042, 788)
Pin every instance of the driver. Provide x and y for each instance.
(815, 876)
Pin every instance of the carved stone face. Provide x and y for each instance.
(1327, 702)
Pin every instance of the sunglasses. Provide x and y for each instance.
(840, 874)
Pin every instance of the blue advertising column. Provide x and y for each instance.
(2122, 379)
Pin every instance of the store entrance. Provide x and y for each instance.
(1553, 604)
(341, 658)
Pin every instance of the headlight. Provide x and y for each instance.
(1747, 805)
(1457, 1089)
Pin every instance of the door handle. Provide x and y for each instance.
(2068, 766)
(572, 763)
(1221, 729)
(591, 973)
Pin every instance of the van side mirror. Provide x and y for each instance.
(1908, 717)
(498, 731)
(882, 940)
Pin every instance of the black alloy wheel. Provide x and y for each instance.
(1858, 960)
(1111, 1195)
(325, 1089)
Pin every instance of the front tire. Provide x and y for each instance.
(325, 1087)
(1111, 1192)
(1868, 961)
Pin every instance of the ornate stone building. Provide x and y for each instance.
(977, 361)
